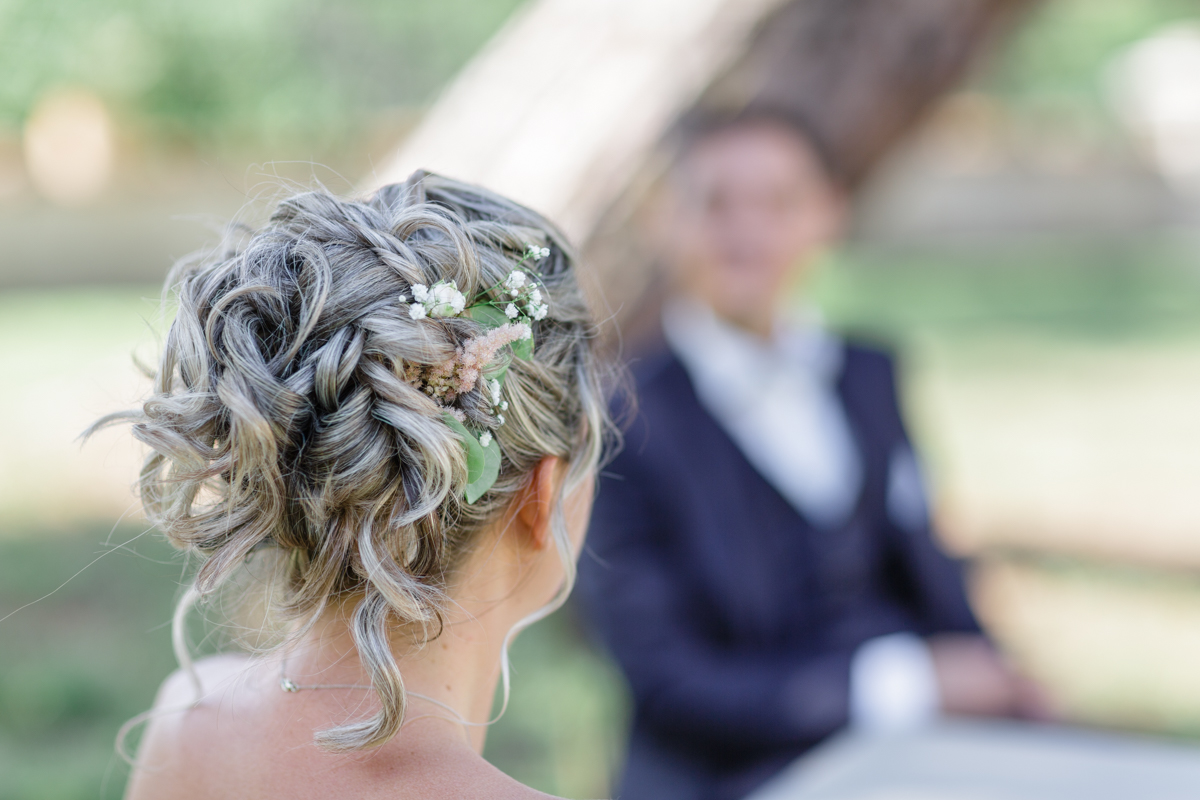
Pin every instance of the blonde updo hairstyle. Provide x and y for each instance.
(282, 431)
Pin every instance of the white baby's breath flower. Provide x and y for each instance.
(541, 311)
(535, 296)
(516, 279)
(420, 292)
(445, 300)
(494, 388)
(416, 311)
(403, 297)
(510, 311)
(499, 419)
(504, 405)
(543, 253)
(485, 438)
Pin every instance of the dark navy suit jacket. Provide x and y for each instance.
(733, 618)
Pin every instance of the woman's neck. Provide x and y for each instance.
(459, 669)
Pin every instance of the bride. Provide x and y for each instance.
(379, 422)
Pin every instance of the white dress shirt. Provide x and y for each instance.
(777, 399)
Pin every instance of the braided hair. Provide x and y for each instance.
(282, 430)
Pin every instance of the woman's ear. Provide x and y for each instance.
(535, 503)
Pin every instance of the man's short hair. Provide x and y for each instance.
(702, 124)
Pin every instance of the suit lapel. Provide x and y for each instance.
(733, 513)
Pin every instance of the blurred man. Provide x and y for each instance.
(760, 561)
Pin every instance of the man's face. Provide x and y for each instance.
(748, 206)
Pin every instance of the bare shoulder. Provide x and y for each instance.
(211, 675)
(246, 738)
(499, 785)
(175, 732)
(463, 777)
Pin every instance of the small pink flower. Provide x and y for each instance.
(459, 375)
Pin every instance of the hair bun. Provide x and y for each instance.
(285, 420)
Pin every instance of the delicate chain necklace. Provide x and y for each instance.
(288, 685)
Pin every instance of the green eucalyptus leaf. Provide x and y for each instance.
(487, 315)
(523, 348)
(496, 371)
(491, 471)
(483, 463)
(474, 450)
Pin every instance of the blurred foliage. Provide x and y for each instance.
(225, 71)
(564, 731)
(317, 71)
(1057, 59)
(1065, 290)
(76, 664)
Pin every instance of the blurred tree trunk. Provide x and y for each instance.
(861, 73)
(572, 126)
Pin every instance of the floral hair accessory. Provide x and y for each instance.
(443, 299)
(507, 310)
(449, 380)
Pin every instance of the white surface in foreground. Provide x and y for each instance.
(963, 760)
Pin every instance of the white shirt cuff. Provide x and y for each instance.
(893, 685)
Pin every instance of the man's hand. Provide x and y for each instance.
(973, 679)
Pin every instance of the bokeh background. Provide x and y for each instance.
(1033, 251)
